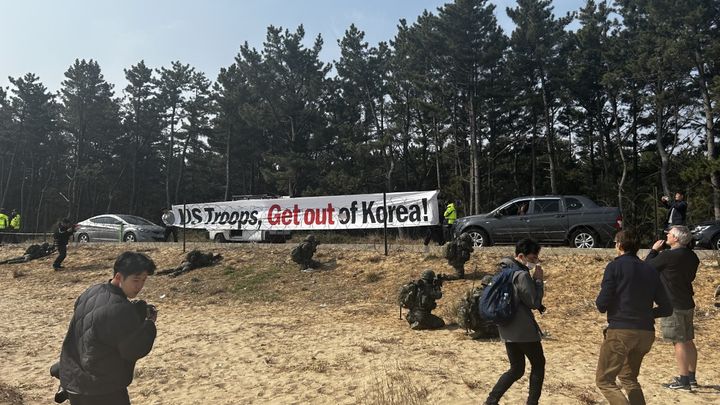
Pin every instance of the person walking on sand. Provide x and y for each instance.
(522, 333)
(629, 288)
(107, 335)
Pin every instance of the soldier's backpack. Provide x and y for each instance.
(469, 315)
(296, 253)
(407, 295)
(450, 250)
(497, 302)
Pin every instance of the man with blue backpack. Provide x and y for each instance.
(508, 301)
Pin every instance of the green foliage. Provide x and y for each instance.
(451, 102)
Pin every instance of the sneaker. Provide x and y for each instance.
(694, 384)
(675, 384)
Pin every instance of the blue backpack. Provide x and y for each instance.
(497, 303)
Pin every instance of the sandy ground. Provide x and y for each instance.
(254, 330)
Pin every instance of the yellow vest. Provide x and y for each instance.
(15, 222)
(450, 213)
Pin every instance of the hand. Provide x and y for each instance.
(664, 198)
(152, 313)
(538, 274)
(659, 245)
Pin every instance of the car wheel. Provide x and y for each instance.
(715, 244)
(583, 239)
(479, 237)
(219, 238)
(83, 238)
(129, 237)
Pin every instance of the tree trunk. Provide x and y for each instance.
(475, 167)
(549, 137)
(169, 158)
(709, 133)
(664, 158)
(227, 164)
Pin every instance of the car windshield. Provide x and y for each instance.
(133, 220)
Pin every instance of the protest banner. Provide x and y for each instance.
(360, 211)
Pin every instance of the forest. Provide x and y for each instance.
(622, 108)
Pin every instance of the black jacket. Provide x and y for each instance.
(677, 268)
(62, 235)
(105, 339)
(629, 288)
(677, 212)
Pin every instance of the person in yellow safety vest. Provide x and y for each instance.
(15, 224)
(4, 223)
(15, 220)
(450, 217)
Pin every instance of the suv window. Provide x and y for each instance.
(546, 206)
(516, 208)
(573, 203)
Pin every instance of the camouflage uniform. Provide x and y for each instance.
(469, 313)
(302, 254)
(458, 252)
(194, 260)
(31, 253)
(420, 316)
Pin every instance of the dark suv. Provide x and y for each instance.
(554, 219)
(707, 235)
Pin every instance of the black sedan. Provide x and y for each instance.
(707, 235)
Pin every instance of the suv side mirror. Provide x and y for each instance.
(497, 214)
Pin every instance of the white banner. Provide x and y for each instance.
(360, 211)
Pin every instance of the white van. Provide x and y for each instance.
(247, 235)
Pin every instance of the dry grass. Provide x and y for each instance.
(394, 387)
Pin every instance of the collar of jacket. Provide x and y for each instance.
(115, 289)
(511, 262)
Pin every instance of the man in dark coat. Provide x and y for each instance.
(106, 336)
(677, 209)
(678, 267)
(31, 253)
(61, 238)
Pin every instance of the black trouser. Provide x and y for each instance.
(171, 230)
(435, 233)
(62, 253)
(516, 354)
(115, 398)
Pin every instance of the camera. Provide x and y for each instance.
(151, 312)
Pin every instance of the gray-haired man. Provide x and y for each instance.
(677, 267)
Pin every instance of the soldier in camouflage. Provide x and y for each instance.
(428, 291)
(469, 313)
(31, 253)
(194, 260)
(458, 253)
(302, 254)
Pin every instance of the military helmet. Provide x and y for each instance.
(310, 238)
(428, 275)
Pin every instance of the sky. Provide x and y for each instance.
(45, 36)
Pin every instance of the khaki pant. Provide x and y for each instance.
(621, 355)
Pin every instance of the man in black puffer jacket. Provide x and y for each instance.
(106, 336)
